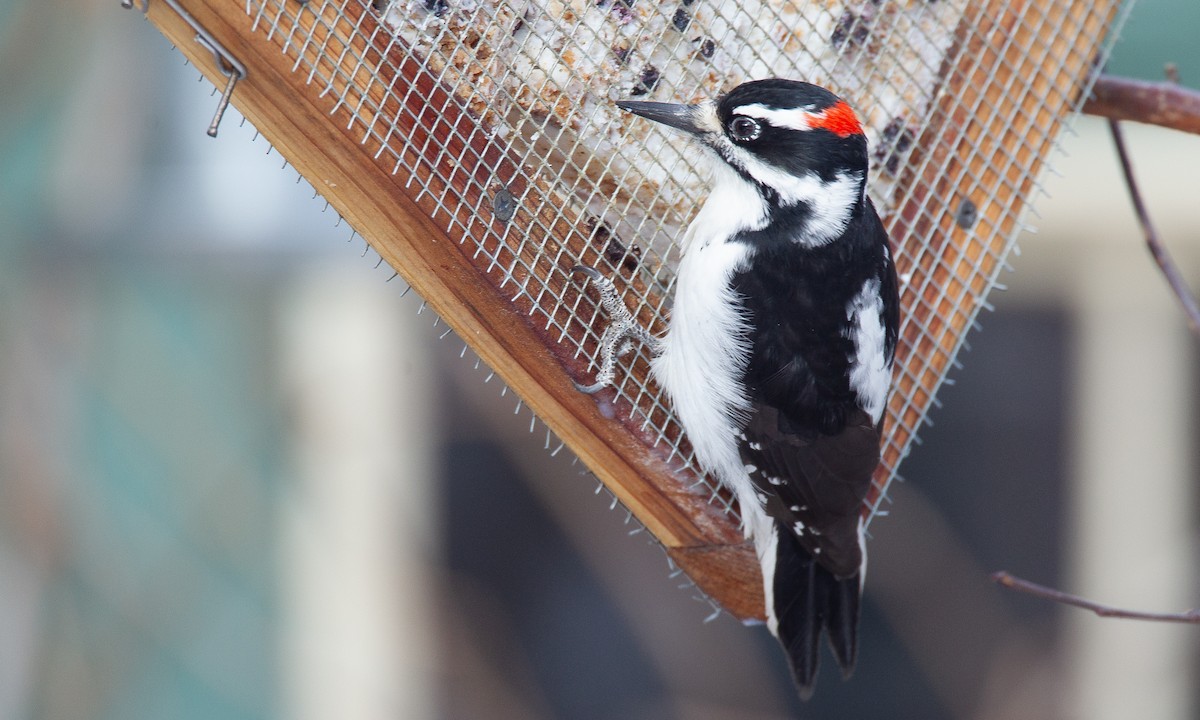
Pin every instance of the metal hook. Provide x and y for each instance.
(232, 72)
(226, 62)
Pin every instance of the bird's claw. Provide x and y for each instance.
(591, 272)
(619, 337)
(590, 389)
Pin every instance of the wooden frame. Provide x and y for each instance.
(972, 171)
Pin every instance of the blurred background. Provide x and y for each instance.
(242, 477)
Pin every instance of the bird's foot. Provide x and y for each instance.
(619, 337)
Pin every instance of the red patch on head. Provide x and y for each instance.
(838, 119)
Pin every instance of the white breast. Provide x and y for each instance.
(707, 345)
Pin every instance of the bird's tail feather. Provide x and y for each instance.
(808, 599)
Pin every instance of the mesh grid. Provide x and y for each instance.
(492, 107)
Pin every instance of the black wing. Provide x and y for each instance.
(814, 484)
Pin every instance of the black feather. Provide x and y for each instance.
(809, 599)
(841, 621)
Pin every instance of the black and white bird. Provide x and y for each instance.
(778, 357)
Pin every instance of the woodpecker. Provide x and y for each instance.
(780, 343)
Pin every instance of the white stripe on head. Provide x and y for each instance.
(789, 118)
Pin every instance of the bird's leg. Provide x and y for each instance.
(619, 337)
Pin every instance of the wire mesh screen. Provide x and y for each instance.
(499, 117)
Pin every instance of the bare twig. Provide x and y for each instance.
(1161, 256)
(1189, 617)
(1156, 103)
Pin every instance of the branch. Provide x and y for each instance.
(1190, 617)
(1156, 103)
(1161, 256)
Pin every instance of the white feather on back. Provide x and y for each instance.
(870, 375)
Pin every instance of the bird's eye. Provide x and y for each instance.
(744, 129)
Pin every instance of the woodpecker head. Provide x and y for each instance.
(799, 145)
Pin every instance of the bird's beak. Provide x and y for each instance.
(680, 117)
